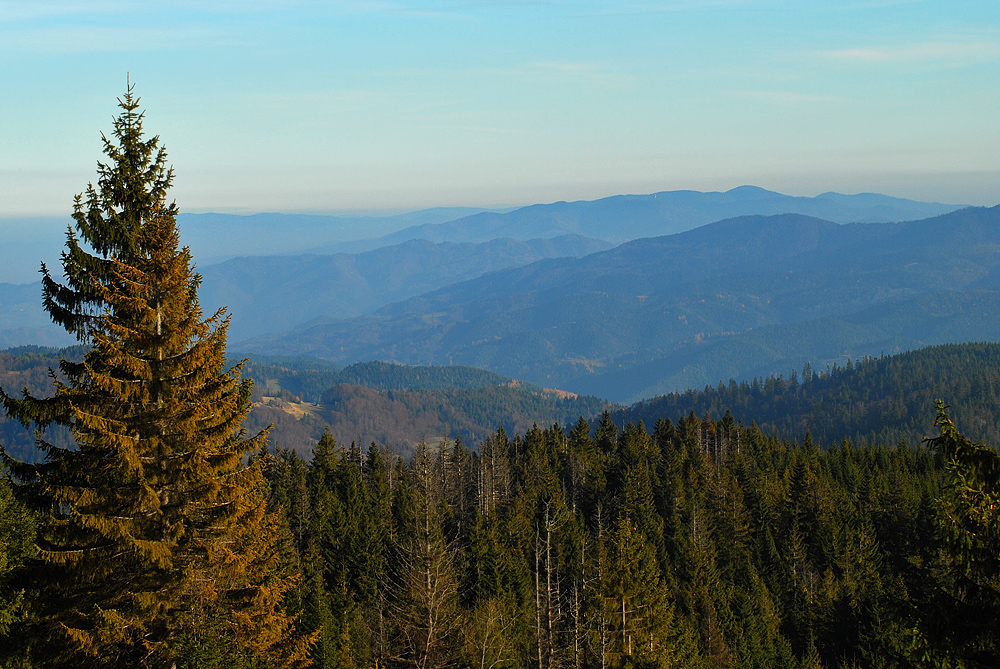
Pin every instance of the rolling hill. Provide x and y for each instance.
(299, 399)
(873, 401)
(273, 293)
(736, 298)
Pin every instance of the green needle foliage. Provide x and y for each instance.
(155, 547)
(961, 628)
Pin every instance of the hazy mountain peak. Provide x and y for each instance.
(619, 218)
(743, 296)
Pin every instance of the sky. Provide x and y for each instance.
(392, 105)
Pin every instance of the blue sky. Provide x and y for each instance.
(332, 106)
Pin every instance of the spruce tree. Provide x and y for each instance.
(960, 625)
(636, 618)
(155, 547)
(426, 596)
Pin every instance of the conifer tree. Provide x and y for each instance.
(155, 547)
(378, 541)
(636, 609)
(427, 595)
(960, 626)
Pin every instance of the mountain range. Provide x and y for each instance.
(624, 217)
(537, 293)
(735, 298)
(273, 293)
(216, 237)
(278, 271)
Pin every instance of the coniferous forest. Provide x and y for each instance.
(162, 534)
(884, 400)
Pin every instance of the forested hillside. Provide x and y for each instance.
(704, 544)
(397, 406)
(881, 400)
(28, 367)
(273, 293)
(393, 405)
(308, 379)
(400, 419)
(735, 299)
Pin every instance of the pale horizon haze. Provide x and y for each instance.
(386, 105)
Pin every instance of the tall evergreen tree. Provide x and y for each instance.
(427, 592)
(637, 620)
(155, 547)
(961, 626)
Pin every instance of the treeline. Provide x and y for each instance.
(405, 417)
(307, 379)
(401, 406)
(703, 544)
(29, 367)
(393, 376)
(882, 400)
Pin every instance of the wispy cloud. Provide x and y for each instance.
(949, 53)
(534, 71)
(33, 10)
(106, 39)
(785, 97)
(30, 11)
(565, 67)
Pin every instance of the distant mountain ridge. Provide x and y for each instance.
(22, 321)
(624, 217)
(267, 294)
(279, 291)
(663, 301)
(273, 293)
(215, 237)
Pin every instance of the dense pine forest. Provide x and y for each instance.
(297, 400)
(703, 544)
(881, 400)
